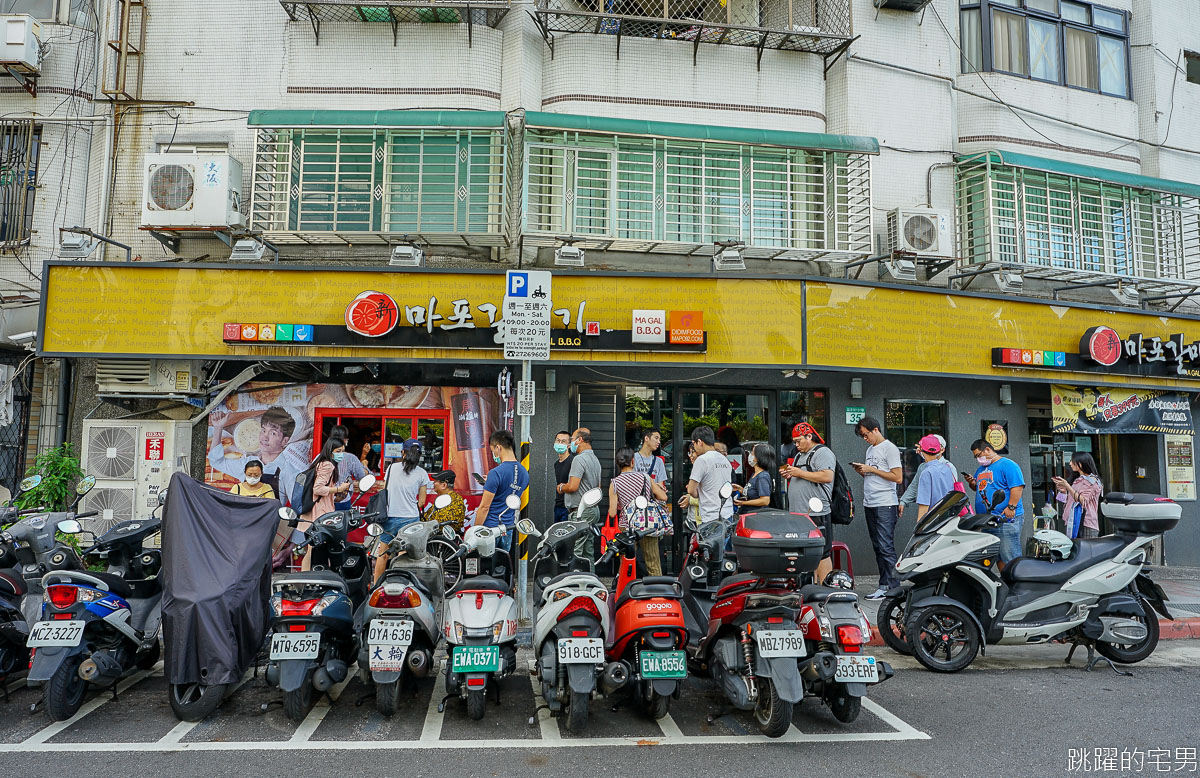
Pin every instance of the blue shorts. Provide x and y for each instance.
(392, 526)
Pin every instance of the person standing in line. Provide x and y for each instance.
(508, 478)
(881, 472)
(936, 479)
(999, 475)
(406, 483)
(623, 489)
(583, 477)
(350, 469)
(810, 475)
(253, 485)
(1085, 490)
(645, 460)
(456, 511)
(759, 487)
(324, 490)
(909, 498)
(562, 473)
(710, 472)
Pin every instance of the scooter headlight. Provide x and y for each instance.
(324, 603)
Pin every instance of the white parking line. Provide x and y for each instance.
(431, 730)
(546, 725)
(669, 727)
(180, 731)
(318, 713)
(101, 697)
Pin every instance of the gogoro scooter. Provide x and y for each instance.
(401, 621)
(572, 621)
(97, 626)
(480, 621)
(315, 640)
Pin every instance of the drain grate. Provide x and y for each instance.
(1184, 607)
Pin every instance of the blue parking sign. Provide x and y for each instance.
(518, 284)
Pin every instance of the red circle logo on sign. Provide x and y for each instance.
(372, 314)
(1102, 345)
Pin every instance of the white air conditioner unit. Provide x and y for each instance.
(923, 231)
(22, 47)
(192, 190)
(147, 377)
(132, 462)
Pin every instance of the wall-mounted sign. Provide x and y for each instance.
(373, 314)
(1181, 467)
(995, 432)
(687, 327)
(1089, 409)
(1103, 350)
(854, 414)
(155, 442)
(525, 398)
(527, 315)
(649, 326)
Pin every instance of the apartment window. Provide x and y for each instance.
(1079, 45)
(77, 12)
(19, 145)
(1192, 63)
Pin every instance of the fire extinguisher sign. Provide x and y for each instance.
(155, 442)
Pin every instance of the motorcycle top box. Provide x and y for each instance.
(1143, 514)
(776, 542)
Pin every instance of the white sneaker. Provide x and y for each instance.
(878, 594)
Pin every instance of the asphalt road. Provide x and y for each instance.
(1016, 713)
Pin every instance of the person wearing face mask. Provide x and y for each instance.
(322, 489)
(508, 477)
(350, 468)
(372, 452)
(584, 476)
(999, 475)
(253, 485)
(759, 488)
(562, 472)
(406, 483)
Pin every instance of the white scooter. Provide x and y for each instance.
(572, 621)
(480, 621)
(1098, 596)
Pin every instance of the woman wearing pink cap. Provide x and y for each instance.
(937, 478)
(909, 498)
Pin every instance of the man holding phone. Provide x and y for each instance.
(881, 472)
(810, 474)
(999, 475)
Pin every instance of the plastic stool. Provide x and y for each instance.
(840, 557)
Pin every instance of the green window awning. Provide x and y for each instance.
(480, 119)
(1075, 170)
(854, 144)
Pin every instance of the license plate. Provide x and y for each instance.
(471, 567)
(856, 669)
(583, 651)
(664, 664)
(780, 642)
(396, 632)
(476, 659)
(55, 633)
(295, 645)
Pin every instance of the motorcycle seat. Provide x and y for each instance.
(818, 593)
(480, 582)
(318, 576)
(1088, 552)
(12, 583)
(651, 587)
(737, 582)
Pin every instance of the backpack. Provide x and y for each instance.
(841, 499)
(307, 500)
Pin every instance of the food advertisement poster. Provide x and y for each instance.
(275, 424)
(1090, 409)
(1181, 467)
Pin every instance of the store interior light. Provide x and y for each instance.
(462, 372)
(1006, 394)
(856, 388)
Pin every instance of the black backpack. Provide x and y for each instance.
(841, 499)
(307, 498)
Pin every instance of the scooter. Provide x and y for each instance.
(572, 620)
(480, 621)
(746, 636)
(648, 633)
(1099, 597)
(14, 655)
(314, 639)
(98, 626)
(400, 623)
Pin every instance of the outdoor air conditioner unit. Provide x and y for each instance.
(902, 5)
(147, 377)
(22, 46)
(192, 191)
(923, 231)
(132, 462)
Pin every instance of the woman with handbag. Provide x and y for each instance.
(1081, 497)
(623, 490)
(406, 483)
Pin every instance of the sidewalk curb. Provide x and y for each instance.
(1179, 629)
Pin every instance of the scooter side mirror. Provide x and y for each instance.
(691, 523)
(641, 502)
(591, 497)
(527, 527)
(374, 530)
(441, 501)
(287, 514)
(85, 485)
(162, 497)
(726, 491)
(814, 504)
(32, 482)
(997, 498)
(448, 532)
(513, 502)
(366, 482)
(70, 527)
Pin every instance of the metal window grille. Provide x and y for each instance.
(19, 144)
(785, 202)
(1018, 216)
(342, 181)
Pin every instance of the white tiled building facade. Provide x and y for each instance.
(894, 76)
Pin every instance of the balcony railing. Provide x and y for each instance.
(397, 12)
(333, 185)
(819, 26)
(1076, 230)
(679, 196)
